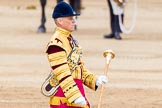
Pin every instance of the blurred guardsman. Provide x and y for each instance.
(116, 9)
(65, 58)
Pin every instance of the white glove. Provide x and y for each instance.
(81, 101)
(101, 79)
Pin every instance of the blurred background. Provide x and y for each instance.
(135, 75)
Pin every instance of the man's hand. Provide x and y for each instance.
(101, 79)
(81, 101)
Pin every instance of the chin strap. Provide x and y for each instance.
(122, 27)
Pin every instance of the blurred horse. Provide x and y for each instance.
(76, 5)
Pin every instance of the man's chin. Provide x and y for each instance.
(72, 29)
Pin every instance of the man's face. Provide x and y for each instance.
(68, 23)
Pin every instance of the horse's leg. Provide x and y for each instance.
(76, 5)
(42, 28)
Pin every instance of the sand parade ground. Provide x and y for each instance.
(135, 75)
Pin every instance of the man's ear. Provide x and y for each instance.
(59, 21)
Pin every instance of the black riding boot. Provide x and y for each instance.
(117, 36)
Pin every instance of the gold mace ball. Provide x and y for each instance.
(107, 52)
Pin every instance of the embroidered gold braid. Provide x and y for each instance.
(72, 66)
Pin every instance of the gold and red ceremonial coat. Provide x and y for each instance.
(64, 55)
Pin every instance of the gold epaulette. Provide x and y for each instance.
(60, 38)
(55, 41)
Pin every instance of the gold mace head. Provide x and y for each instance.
(109, 52)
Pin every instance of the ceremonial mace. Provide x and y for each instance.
(108, 54)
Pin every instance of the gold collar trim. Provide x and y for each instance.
(63, 31)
